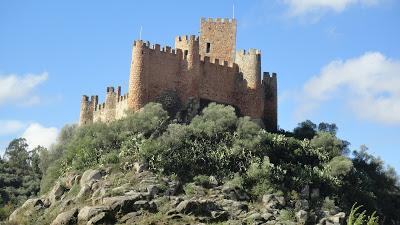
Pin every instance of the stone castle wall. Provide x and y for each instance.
(221, 75)
(221, 36)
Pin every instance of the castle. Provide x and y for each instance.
(202, 69)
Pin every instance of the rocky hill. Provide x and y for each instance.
(154, 167)
(135, 195)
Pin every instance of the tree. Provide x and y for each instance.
(17, 155)
(327, 127)
(305, 130)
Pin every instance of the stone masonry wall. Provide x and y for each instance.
(221, 34)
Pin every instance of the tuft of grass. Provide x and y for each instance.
(357, 218)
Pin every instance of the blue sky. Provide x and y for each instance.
(337, 61)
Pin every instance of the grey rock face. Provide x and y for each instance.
(88, 212)
(272, 201)
(89, 176)
(66, 218)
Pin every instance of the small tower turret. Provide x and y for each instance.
(250, 66)
(86, 113)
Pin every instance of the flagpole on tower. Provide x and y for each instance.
(233, 11)
(140, 33)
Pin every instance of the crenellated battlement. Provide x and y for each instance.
(251, 51)
(218, 20)
(269, 76)
(186, 38)
(208, 60)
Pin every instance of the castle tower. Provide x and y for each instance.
(111, 101)
(250, 66)
(137, 85)
(218, 39)
(87, 108)
(270, 101)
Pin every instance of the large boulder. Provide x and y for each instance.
(27, 209)
(235, 193)
(197, 207)
(83, 192)
(122, 204)
(272, 201)
(66, 218)
(57, 192)
(90, 176)
(338, 219)
(89, 212)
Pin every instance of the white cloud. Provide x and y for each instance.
(370, 84)
(304, 7)
(36, 134)
(19, 88)
(10, 126)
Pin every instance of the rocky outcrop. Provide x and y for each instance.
(66, 218)
(131, 197)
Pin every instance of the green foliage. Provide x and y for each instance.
(109, 158)
(17, 155)
(258, 176)
(340, 166)
(287, 215)
(236, 150)
(19, 176)
(357, 218)
(54, 171)
(328, 143)
(328, 204)
(202, 180)
(306, 129)
(215, 119)
(5, 211)
(151, 119)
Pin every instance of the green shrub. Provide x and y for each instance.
(6, 211)
(340, 166)
(202, 180)
(110, 158)
(258, 178)
(215, 119)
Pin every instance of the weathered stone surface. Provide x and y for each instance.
(338, 219)
(198, 208)
(66, 218)
(301, 216)
(56, 193)
(235, 193)
(122, 203)
(27, 209)
(89, 176)
(272, 201)
(83, 192)
(88, 212)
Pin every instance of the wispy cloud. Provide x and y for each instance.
(368, 83)
(8, 127)
(18, 89)
(317, 8)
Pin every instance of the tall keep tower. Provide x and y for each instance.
(218, 39)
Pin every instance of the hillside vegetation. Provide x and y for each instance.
(202, 169)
